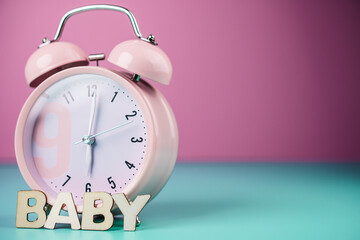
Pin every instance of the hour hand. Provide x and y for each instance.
(89, 159)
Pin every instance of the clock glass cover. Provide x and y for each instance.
(86, 132)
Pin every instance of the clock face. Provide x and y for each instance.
(85, 132)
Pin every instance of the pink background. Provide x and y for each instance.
(254, 80)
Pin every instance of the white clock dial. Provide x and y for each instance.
(86, 132)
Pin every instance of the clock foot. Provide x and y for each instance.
(138, 222)
(47, 208)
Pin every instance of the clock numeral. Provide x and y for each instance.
(60, 142)
(93, 88)
(66, 180)
(115, 93)
(70, 99)
(88, 187)
(111, 182)
(129, 165)
(138, 140)
(131, 115)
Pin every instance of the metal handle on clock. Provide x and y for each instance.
(99, 7)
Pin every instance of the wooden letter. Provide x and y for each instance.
(90, 210)
(55, 217)
(130, 210)
(23, 209)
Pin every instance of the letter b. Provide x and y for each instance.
(23, 209)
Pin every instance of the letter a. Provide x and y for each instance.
(55, 217)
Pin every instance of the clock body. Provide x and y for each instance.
(133, 131)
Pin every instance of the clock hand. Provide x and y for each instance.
(89, 138)
(89, 150)
(89, 158)
(118, 126)
(92, 114)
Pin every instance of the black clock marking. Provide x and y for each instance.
(115, 93)
(129, 165)
(66, 180)
(93, 88)
(131, 115)
(136, 140)
(111, 182)
(88, 187)
(70, 99)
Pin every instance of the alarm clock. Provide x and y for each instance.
(88, 128)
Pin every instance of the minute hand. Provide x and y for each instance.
(100, 133)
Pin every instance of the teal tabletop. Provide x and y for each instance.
(226, 201)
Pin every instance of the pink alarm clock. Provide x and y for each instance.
(87, 128)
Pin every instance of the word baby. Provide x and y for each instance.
(130, 210)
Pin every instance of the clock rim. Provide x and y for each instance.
(118, 77)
